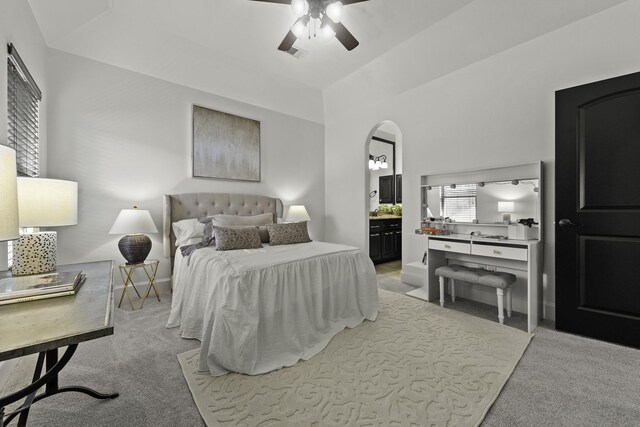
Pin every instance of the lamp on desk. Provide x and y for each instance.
(135, 246)
(506, 208)
(8, 195)
(297, 213)
(42, 202)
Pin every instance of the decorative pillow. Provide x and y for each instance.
(289, 233)
(228, 238)
(187, 229)
(223, 220)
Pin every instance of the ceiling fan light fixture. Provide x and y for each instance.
(334, 11)
(328, 32)
(300, 26)
(299, 7)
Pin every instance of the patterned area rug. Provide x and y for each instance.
(417, 364)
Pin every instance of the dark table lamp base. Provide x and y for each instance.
(135, 248)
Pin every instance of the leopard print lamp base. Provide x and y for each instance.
(35, 253)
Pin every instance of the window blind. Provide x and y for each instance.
(459, 203)
(23, 101)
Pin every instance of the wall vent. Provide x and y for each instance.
(296, 52)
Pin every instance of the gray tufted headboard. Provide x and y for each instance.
(196, 205)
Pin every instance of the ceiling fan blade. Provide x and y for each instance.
(288, 42)
(348, 2)
(282, 1)
(343, 35)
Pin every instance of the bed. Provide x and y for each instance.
(257, 310)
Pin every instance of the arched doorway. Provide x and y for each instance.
(383, 185)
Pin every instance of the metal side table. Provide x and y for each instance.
(150, 268)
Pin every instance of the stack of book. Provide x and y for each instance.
(40, 286)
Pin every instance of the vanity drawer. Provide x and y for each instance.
(506, 252)
(445, 245)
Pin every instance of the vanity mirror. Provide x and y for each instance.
(490, 201)
(483, 202)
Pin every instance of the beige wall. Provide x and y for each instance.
(497, 111)
(126, 139)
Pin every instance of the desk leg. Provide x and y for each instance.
(50, 380)
(22, 421)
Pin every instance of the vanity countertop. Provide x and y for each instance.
(385, 217)
(468, 238)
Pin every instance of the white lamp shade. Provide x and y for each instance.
(334, 11)
(299, 28)
(46, 202)
(133, 221)
(299, 7)
(506, 207)
(297, 213)
(8, 194)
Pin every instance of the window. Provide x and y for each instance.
(23, 104)
(458, 203)
(23, 96)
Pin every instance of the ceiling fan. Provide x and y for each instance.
(328, 12)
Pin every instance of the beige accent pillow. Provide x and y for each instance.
(228, 238)
(234, 220)
(289, 233)
(224, 220)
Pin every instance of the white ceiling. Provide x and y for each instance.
(242, 30)
(229, 47)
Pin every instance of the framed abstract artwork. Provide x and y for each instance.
(225, 146)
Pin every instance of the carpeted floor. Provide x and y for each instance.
(562, 380)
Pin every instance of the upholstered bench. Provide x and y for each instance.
(498, 280)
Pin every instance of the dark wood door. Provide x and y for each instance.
(388, 246)
(397, 241)
(398, 188)
(385, 189)
(598, 210)
(375, 249)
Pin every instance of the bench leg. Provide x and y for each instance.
(509, 302)
(452, 291)
(441, 291)
(500, 294)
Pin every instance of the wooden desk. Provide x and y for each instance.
(522, 255)
(45, 325)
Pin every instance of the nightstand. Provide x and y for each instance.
(150, 268)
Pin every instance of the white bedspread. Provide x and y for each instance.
(258, 310)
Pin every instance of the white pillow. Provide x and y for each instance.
(187, 229)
